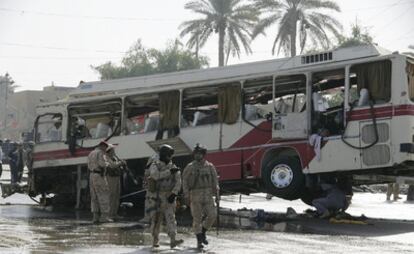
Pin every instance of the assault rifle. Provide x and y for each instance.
(124, 167)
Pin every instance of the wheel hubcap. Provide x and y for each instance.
(281, 176)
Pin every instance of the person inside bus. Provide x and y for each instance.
(55, 132)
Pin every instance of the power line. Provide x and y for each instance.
(85, 16)
(395, 19)
(376, 15)
(59, 48)
(378, 6)
(61, 58)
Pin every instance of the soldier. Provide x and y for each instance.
(151, 195)
(164, 183)
(113, 176)
(97, 164)
(393, 189)
(200, 184)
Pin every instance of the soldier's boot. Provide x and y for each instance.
(155, 242)
(174, 242)
(95, 219)
(200, 245)
(105, 218)
(204, 239)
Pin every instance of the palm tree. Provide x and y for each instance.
(298, 16)
(231, 19)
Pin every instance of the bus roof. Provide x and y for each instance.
(126, 85)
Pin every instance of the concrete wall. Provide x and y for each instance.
(21, 109)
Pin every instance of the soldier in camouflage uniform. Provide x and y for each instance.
(164, 183)
(200, 184)
(151, 195)
(99, 189)
(113, 177)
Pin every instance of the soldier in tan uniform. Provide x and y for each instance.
(200, 184)
(99, 189)
(164, 185)
(113, 177)
(151, 195)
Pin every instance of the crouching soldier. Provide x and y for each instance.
(200, 184)
(98, 185)
(165, 184)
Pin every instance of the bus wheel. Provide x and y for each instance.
(283, 178)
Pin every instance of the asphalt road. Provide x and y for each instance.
(28, 228)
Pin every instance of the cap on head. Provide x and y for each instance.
(198, 148)
(103, 143)
(165, 150)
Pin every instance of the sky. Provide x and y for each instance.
(46, 42)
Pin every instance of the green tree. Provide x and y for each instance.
(232, 20)
(298, 19)
(359, 36)
(7, 84)
(140, 61)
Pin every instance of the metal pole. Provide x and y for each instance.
(78, 186)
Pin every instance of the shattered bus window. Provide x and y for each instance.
(49, 128)
(96, 121)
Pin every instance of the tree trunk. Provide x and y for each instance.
(221, 45)
(293, 40)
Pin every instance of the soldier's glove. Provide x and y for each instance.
(174, 170)
(171, 198)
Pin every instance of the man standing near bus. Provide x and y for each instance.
(98, 185)
(200, 184)
(113, 177)
(165, 181)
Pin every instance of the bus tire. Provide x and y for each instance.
(283, 178)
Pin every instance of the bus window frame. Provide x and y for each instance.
(36, 128)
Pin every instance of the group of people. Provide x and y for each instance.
(163, 183)
(18, 158)
(104, 182)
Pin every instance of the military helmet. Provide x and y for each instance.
(198, 148)
(165, 150)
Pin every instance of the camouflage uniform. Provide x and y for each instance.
(200, 184)
(393, 189)
(113, 177)
(99, 189)
(166, 184)
(151, 195)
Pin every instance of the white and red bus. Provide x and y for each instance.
(272, 126)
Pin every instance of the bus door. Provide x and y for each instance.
(328, 126)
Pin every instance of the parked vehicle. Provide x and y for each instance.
(354, 104)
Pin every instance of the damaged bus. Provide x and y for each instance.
(273, 126)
